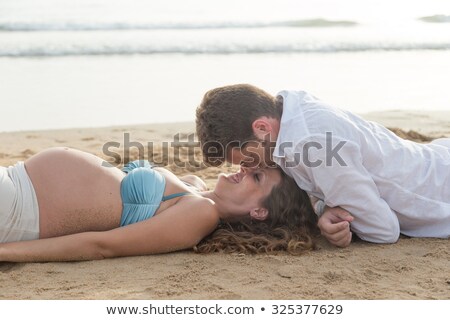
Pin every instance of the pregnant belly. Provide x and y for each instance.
(76, 192)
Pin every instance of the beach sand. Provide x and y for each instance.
(409, 269)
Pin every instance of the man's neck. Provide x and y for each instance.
(275, 124)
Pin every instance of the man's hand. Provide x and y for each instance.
(334, 225)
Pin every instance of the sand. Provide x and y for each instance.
(409, 269)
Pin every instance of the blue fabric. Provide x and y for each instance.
(174, 195)
(142, 192)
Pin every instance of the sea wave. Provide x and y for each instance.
(109, 50)
(114, 26)
(438, 18)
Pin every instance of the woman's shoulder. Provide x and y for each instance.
(194, 182)
(200, 208)
(202, 203)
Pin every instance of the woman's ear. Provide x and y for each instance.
(259, 214)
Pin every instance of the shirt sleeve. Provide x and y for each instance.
(344, 181)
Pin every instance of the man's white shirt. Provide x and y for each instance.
(390, 185)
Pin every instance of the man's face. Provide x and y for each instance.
(252, 155)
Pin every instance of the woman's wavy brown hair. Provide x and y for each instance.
(291, 227)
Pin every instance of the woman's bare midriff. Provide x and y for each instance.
(76, 192)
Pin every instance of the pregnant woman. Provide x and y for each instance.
(64, 204)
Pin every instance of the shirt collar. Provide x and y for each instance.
(279, 153)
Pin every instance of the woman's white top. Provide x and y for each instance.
(390, 185)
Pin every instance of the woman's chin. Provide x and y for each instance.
(222, 178)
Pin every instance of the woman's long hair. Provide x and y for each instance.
(291, 227)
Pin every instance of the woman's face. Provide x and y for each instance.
(244, 191)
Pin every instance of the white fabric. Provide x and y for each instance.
(19, 210)
(390, 185)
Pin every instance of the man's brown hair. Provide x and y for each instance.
(225, 116)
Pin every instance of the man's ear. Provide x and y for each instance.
(259, 214)
(262, 127)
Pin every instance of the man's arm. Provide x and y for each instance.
(349, 185)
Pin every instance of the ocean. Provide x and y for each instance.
(66, 63)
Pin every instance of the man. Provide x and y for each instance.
(373, 182)
(238, 144)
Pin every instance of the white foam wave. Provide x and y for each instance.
(105, 26)
(44, 51)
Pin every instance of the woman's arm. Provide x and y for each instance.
(79, 246)
(179, 227)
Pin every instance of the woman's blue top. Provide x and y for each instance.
(142, 192)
